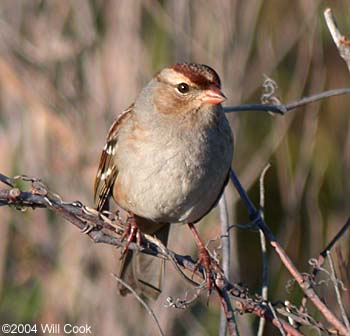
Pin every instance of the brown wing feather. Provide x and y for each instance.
(107, 170)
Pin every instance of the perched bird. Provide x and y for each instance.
(166, 160)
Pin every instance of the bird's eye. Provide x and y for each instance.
(183, 88)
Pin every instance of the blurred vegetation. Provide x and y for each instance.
(67, 68)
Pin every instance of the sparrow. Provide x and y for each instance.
(166, 160)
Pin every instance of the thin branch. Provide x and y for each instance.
(316, 97)
(242, 193)
(108, 228)
(279, 324)
(337, 292)
(284, 108)
(279, 109)
(261, 310)
(225, 243)
(6, 180)
(336, 238)
(228, 310)
(147, 307)
(294, 315)
(317, 264)
(344, 271)
(265, 271)
(225, 238)
(332, 26)
(303, 283)
(342, 43)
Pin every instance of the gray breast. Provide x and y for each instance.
(176, 178)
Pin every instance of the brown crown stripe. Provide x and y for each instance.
(201, 75)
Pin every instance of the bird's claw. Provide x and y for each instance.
(205, 260)
(132, 233)
(87, 228)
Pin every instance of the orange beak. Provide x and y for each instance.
(213, 96)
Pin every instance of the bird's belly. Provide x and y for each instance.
(174, 185)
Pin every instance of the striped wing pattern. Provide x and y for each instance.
(107, 170)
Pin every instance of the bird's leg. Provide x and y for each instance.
(131, 233)
(203, 257)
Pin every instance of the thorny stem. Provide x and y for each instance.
(304, 284)
(107, 228)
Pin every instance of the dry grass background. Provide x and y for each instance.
(67, 68)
